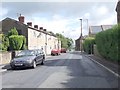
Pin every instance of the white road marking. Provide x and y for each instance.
(116, 74)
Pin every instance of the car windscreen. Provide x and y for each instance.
(26, 53)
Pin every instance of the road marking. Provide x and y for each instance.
(116, 74)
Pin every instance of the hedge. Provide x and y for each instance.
(107, 43)
(16, 42)
(88, 45)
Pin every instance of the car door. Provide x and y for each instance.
(39, 56)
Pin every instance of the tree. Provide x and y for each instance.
(24, 44)
(13, 31)
(65, 42)
(4, 42)
(69, 43)
(16, 42)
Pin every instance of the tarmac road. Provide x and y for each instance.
(68, 70)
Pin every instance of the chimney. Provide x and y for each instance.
(29, 24)
(41, 28)
(44, 30)
(21, 19)
(36, 26)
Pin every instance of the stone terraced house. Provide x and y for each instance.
(36, 38)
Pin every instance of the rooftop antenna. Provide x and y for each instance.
(18, 14)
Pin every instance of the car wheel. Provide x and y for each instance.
(42, 63)
(13, 68)
(34, 64)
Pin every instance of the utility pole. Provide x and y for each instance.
(81, 36)
(81, 27)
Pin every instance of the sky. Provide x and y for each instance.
(62, 16)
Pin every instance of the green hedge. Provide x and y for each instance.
(16, 42)
(107, 43)
(88, 45)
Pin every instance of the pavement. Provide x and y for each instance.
(5, 67)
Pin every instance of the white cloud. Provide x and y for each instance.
(108, 21)
(3, 11)
(103, 10)
(57, 24)
(86, 15)
(59, 17)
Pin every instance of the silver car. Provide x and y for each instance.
(28, 58)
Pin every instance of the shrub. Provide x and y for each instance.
(13, 31)
(107, 43)
(88, 45)
(24, 44)
(4, 42)
(16, 42)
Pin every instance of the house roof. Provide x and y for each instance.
(9, 23)
(45, 32)
(97, 29)
(22, 25)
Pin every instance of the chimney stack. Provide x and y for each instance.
(21, 19)
(41, 28)
(36, 26)
(44, 30)
(29, 24)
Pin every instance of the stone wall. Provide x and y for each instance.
(5, 57)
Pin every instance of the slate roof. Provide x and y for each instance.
(97, 29)
(9, 23)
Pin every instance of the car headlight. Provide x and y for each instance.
(12, 60)
(29, 60)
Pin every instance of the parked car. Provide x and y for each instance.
(55, 52)
(28, 58)
(63, 50)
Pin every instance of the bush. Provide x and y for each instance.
(107, 43)
(24, 44)
(4, 42)
(12, 32)
(16, 42)
(88, 45)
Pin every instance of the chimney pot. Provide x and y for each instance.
(41, 28)
(44, 30)
(36, 26)
(29, 24)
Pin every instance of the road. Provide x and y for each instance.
(69, 70)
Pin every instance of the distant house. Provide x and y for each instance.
(93, 30)
(36, 38)
(78, 43)
(118, 11)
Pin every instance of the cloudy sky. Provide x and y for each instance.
(62, 16)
